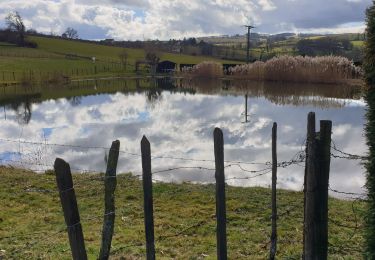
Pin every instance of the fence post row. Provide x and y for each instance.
(315, 235)
(147, 197)
(109, 200)
(316, 189)
(273, 246)
(69, 205)
(221, 226)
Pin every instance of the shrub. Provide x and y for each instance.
(30, 44)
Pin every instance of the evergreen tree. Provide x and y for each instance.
(369, 67)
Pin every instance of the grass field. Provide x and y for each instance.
(50, 56)
(32, 225)
(358, 43)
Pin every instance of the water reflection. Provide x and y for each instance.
(178, 117)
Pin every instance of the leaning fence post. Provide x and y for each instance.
(109, 199)
(147, 197)
(316, 191)
(221, 226)
(69, 205)
(273, 246)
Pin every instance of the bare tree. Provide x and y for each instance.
(70, 33)
(152, 56)
(15, 24)
(124, 55)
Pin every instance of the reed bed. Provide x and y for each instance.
(324, 69)
(206, 69)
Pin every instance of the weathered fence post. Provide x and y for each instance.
(147, 197)
(69, 205)
(109, 199)
(221, 225)
(323, 160)
(316, 194)
(273, 246)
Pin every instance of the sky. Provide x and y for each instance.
(176, 19)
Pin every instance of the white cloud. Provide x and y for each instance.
(267, 5)
(165, 19)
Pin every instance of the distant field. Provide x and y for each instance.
(358, 43)
(50, 56)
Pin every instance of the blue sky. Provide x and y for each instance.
(165, 19)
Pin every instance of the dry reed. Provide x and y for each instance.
(206, 69)
(325, 69)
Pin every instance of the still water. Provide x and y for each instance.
(179, 118)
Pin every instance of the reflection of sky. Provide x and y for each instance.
(181, 125)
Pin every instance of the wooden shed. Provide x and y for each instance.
(166, 66)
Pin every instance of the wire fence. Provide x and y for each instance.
(298, 158)
(241, 166)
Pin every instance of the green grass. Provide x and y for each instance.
(184, 215)
(51, 56)
(358, 43)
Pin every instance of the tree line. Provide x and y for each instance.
(16, 32)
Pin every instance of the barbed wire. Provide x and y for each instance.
(123, 151)
(345, 155)
(346, 193)
(199, 224)
(248, 177)
(298, 158)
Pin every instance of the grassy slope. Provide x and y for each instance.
(50, 56)
(280, 47)
(26, 209)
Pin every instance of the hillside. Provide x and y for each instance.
(266, 45)
(73, 58)
(32, 226)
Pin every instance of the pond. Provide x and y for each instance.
(78, 122)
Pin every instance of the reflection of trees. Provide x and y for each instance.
(23, 111)
(75, 101)
(279, 93)
(154, 96)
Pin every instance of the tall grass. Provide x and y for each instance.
(206, 69)
(325, 69)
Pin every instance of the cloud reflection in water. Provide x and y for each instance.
(181, 125)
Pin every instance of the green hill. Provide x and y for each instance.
(73, 58)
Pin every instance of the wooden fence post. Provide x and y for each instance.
(109, 198)
(323, 161)
(221, 219)
(316, 193)
(273, 246)
(69, 205)
(147, 197)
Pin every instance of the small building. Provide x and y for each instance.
(165, 66)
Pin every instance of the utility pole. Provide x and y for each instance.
(246, 117)
(249, 27)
